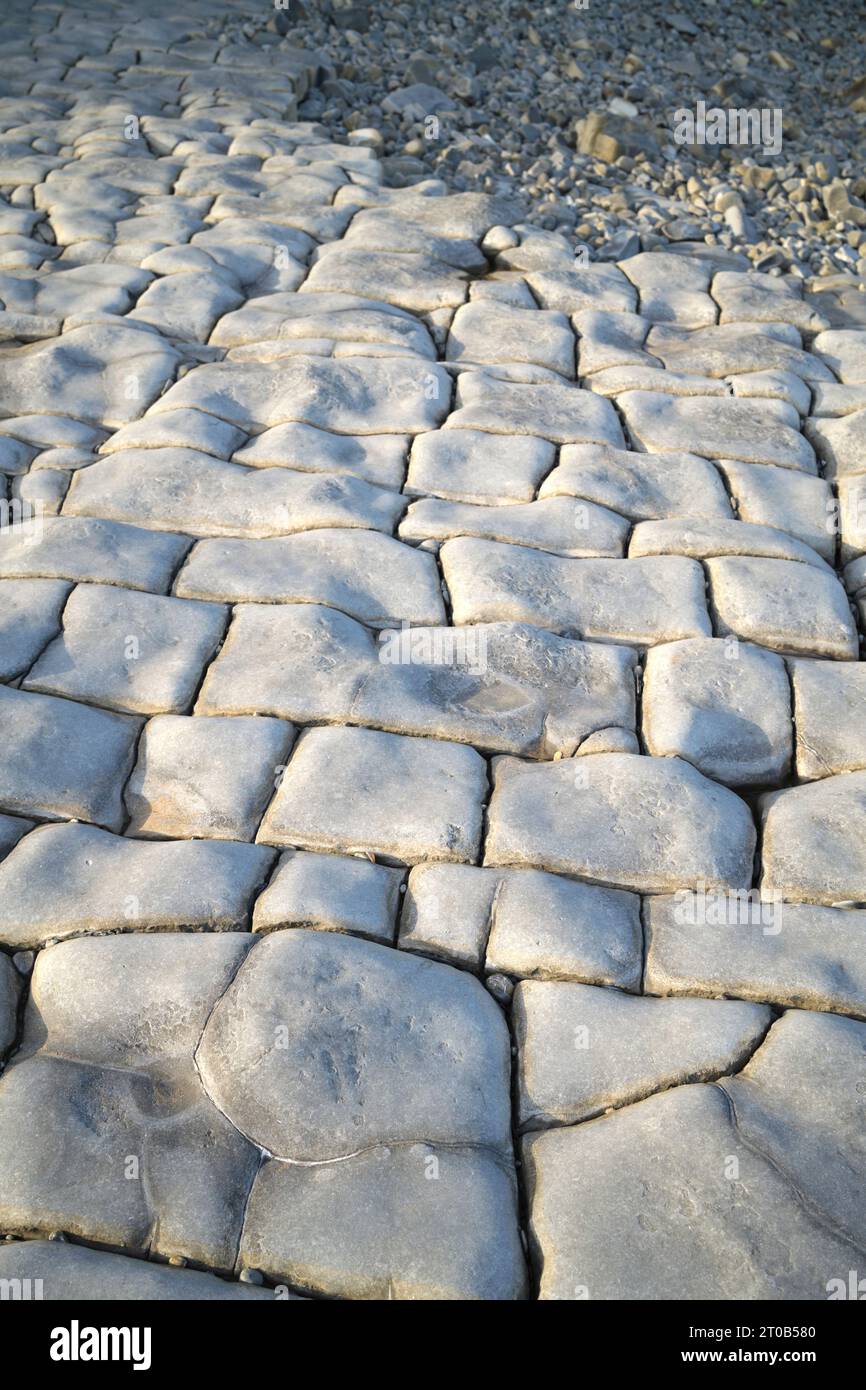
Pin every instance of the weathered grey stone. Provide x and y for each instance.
(614, 380)
(142, 653)
(64, 1272)
(60, 293)
(560, 525)
(376, 1227)
(111, 1073)
(372, 577)
(840, 444)
(831, 400)
(411, 280)
(11, 830)
(639, 601)
(726, 428)
(649, 824)
(330, 892)
(794, 955)
(572, 289)
(93, 549)
(733, 349)
(547, 927)
(497, 333)
(64, 760)
(401, 798)
(672, 290)
(639, 486)
(67, 880)
(814, 846)
(205, 778)
(755, 298)
(646, 1203)
(798, 1102)
(792, 502)
(350, 396)
(177, 429)
(474, 466)
(783, 605)
(106, 373)
(504, 686)
(776, 386)
(447, 912)
(582, 1050)
(403, 1048)
(334, 317)
(844, 351)
(377, 458)
(725, 707)
(609, 340)
(705, 539)
(30, 612)
(561, 413)
(830, 717)
(184, 490)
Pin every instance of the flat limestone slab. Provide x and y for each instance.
(330, 892)
(544, 927)
(349, 396)
(558, 525)
(814, 845)
(184, 490)
(402, 1047)
(797, 1101)
(648, 824)
(475, 466)
(85, 373)
(639, 1202)
(783, 605)
(63, 1272)
(372, 577)
(728, 428)
(641, 601)
(70, 880)
(639, 486)
(582, 1050)
(205, 778)
(402, 798)
(793, 502)
(412, 1221)
(92, 549)
(69, 761)
(791, 954)
(561, 413)
(830, 717)
(504, 686)
(497, 333)
(376, 458)
(107, 1057)
(725, 708)
(704, 540)
(131, 651)
(30, 612)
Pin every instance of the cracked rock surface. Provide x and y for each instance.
(433, 797)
